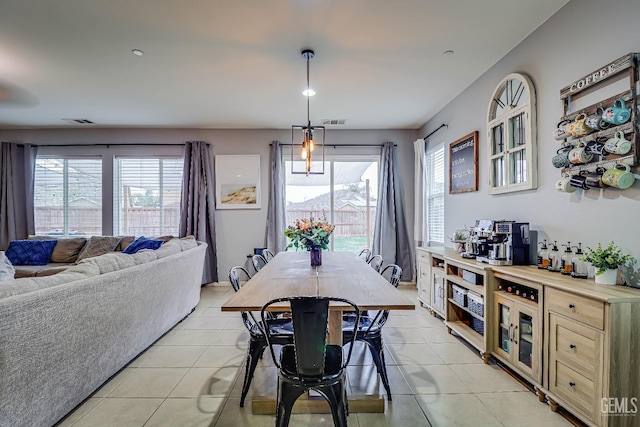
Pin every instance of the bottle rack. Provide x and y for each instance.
(608, 74)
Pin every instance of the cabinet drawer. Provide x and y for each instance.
(585, 310)
(576, 346)
(576, 389)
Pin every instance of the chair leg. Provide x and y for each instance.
(336, 396)
(287, 396)
(254, 352)
(377, 352)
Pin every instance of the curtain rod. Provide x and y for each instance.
(108, 145)
(341, 145)
(441, 126)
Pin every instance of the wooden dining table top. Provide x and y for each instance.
(342, 274)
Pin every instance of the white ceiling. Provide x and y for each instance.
(237, 64)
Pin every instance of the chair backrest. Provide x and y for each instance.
(267, 255)
(376, 262)
(248, 318)
(310, 319)
(234, 276)
(392, 273)
(365, 254)
(258, 262)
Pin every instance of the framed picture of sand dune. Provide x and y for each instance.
(237, 181)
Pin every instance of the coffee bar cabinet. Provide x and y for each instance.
(459, 290)
(590, 344)
(518, 327)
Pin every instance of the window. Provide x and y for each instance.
(68, 196)
(346, 194)
(147, 194)
(435, 194)
(511, 125)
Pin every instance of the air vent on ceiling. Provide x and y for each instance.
(326, 122)
(78, 121)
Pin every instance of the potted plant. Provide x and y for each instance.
(606, 261)
(459, 238)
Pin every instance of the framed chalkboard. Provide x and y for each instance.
(463, 164)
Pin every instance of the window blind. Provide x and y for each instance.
(68, 196)
(435, 195)
(147, 194)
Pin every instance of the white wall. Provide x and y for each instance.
(238, 231)
(581, 37)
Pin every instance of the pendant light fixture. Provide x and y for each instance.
(312, 137)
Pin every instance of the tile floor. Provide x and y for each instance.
(193, 377)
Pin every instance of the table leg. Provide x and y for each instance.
(335, 327)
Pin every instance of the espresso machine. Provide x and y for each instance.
(500, 242)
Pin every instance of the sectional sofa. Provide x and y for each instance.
(63, 335)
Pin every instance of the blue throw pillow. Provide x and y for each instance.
(142, 243)
(30, 252)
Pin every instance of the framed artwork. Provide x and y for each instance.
(237, 181)
(463, 164)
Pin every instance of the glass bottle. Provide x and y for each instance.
(554, 258)
(579, 267)
(543, 255)
(565, 260)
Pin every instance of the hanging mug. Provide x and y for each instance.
(618, 144)
(594, 179)
(579, 181)
(579, 155)
(562, 131)
(617, 114)
(596, 147)
(561, 159)
(564, 184)
(619, 176)
(595, 121)
(578, 128)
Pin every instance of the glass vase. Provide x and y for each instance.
(315, 253)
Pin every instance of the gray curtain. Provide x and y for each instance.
(17, 168)
(276, 220)
(197, 207)
(390, 236)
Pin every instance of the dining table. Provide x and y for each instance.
(341, 274)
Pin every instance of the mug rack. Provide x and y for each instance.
(598, 79)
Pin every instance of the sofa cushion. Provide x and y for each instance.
(144, 257)
(67, 250)
(169, 248)
(126, 241)
(30, 252)
(110, 262)
(98, 245)
(187, 242)
(142, 243)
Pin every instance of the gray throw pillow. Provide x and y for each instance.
(98, 245)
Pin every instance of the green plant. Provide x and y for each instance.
(307, 233)
(459, 235)
(606, 258)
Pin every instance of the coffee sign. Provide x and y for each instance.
(463, 164)
(596, 76)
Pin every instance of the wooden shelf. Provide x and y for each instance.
(466, 309)
(478, 289)
(471, 336)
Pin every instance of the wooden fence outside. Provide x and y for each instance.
(349, 223)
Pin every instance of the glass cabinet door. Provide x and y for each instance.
(504, 328)
(525, 339)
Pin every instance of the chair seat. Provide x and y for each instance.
(348, 325)
(276, 327)
(332, 362)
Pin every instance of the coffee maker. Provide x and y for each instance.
(500, 242)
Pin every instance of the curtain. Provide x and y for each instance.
(197, 206)
(276, 220)
(390, 236)
(17, 169)
(420, 194)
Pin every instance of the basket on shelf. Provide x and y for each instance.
(460, 295)
(475, 303)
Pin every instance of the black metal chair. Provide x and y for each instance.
(267, 255)
(369, 330)
(392, 273)
(281, 330)
(258, 262)
(310, 363)
(365, 254)
(376, 262)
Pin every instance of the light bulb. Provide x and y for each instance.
(303, 154)
(311, 145)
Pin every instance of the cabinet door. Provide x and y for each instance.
(527, 339)
(503, 344)
(424, 282)
(438, 292)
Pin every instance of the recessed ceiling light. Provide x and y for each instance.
(308, 92)
(137, 52)
(447, 53)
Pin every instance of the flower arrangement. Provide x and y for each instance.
(309, 232)
(606, 258)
